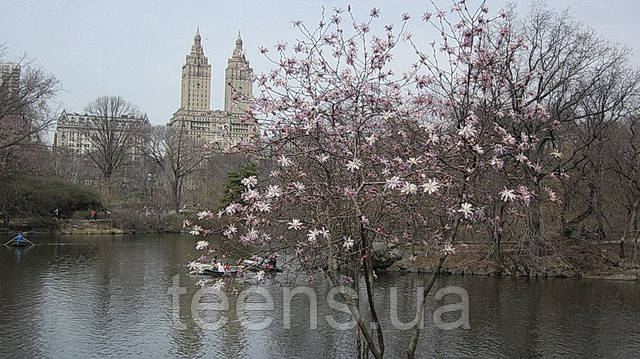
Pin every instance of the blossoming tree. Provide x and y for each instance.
(360, 155)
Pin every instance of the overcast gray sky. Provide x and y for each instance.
(136, 48)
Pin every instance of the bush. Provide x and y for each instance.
(32, 196)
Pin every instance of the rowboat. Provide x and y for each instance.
(19, 244)
(208, 269)
(215, 273)
(265, 265)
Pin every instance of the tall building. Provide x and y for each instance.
(196, 79)
(195, 117)
(237, 78)
(9, 78)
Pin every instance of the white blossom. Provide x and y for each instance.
(371, 139)
(195, 231)
(202, 245)
(449, 249)
(322, 158)
(273, 191)
(284, 161)
(466, 209)
(393, 182)
(312, 235)
(204, 215)
(431, 186)
(295, 224)
(409, 188)
(412, 161)
(468, 131)
(263, 206)
(496, 163)
(250, 181)
(354, 165)
(218, 285)
(299, 186)
(521, 157)
(507, 195)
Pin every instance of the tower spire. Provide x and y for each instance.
(239, 41)
(196, 38)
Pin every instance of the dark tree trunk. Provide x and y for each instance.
(535, 231)
(427, 284)
(633, 217)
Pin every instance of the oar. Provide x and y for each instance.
(11, 240)
(33, 244)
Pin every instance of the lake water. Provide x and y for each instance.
(107, 297)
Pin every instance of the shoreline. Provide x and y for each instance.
(82, 227)
(578, 260)
(536, 275)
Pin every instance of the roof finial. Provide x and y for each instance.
(239, 41)
(197, 29)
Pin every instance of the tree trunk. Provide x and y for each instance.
(427, 284)
(535, 232)
(368, 280)
(497, 238)
(176, 189)
(355, 311)
(633, 217)
(635, 242)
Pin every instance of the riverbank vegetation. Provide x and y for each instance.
(33, 199)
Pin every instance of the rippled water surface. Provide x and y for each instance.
(106, 297)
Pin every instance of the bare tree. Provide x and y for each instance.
(26, 111)
(116, 129)
(177, 155)
(582, 81)
(626, 156)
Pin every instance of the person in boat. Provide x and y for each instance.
(220, 267)
(226, 267)
(19, 238)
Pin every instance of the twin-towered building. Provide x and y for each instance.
(195, 117)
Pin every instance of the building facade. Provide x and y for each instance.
(195, 117)
(75, 131)
(9, 78)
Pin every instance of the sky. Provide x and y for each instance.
(136, 49)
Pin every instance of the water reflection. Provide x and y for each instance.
(79, 297)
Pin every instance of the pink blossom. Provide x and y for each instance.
(449, 249)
